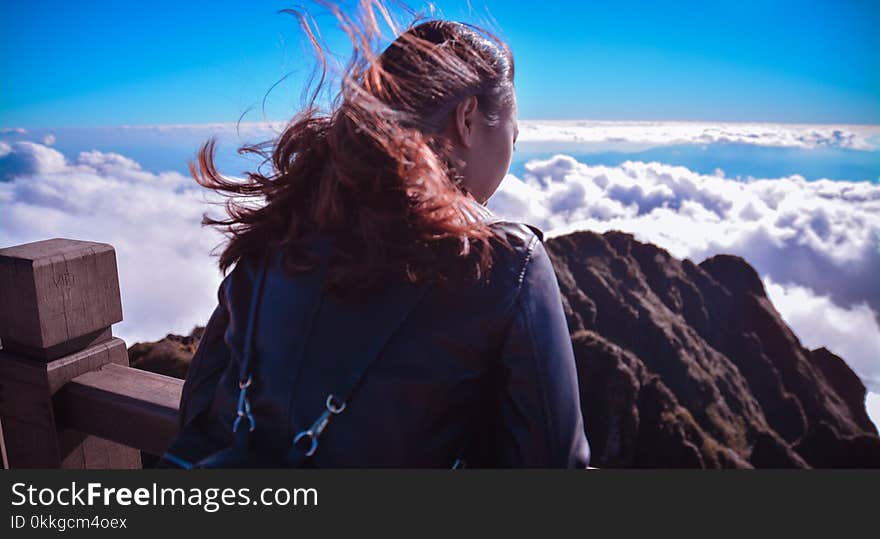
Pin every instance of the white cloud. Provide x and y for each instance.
(25, 157)
(872, 403)
(167, 279)
(852, 333)
(855, 137)
(820, 234)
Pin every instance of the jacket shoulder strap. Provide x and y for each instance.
(369, 326)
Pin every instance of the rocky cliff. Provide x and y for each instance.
(685, 365)
(680, 365)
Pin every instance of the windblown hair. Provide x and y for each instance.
(375, 172)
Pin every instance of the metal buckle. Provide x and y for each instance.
(332, 407)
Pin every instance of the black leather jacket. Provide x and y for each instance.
(484, 374)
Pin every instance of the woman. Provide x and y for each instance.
(378, 315)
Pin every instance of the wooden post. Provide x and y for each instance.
(58, 299)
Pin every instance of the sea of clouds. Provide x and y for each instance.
(816, 243)
(665, 133)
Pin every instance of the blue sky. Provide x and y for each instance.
(92, 63)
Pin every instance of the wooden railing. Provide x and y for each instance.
(68, 398)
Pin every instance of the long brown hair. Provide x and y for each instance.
(375, 171)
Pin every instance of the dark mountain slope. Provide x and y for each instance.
(666, 348)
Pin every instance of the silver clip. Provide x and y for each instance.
(332, 407)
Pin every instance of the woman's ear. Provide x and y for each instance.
(465, 116)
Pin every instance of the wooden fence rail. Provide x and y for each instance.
(68, 398)
(130, 406)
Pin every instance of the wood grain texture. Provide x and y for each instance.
(31, 430)
(125, 405)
